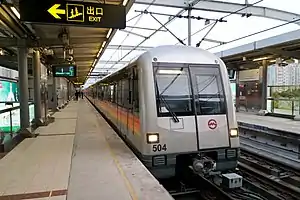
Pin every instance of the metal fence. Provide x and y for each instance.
(284, 100)
(10, 122)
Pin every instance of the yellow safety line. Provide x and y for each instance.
(127, 182)
(129, 186)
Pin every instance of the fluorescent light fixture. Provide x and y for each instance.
(103, 44)
(15, 11)
(259, 59)
(272, 61)
(108, 33)
(168, 71)
(125, 2)
(99, 52)
(94, 62)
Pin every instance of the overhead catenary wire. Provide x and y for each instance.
(168, 29)
(214, 24)
(127, 34)
(262, 31)
(170, 19)
(222, 18)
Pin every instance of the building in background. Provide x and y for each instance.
(284, 75)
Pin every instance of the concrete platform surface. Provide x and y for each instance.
(58, 127)
(37, 167)
(103, 167)
(276, 123)
(90, 165)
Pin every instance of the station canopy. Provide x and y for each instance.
(215, 26)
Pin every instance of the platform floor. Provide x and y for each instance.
(37, 167)
(82, 159)
(275, 123)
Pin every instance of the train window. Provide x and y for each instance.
(173, 93)
(208, 90)
(135, 95)
(119, 93)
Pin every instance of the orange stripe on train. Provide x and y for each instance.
(127, 119)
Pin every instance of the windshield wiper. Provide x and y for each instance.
(161, 98)
(174, 116)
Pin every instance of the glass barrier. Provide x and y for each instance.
(10, 121)
(284, 100)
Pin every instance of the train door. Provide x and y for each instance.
(210, 107)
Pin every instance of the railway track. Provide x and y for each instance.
(262, 180)
(278, 146)
(271, 180)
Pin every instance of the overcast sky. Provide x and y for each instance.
(236, 27)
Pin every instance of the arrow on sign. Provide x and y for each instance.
(54, 11)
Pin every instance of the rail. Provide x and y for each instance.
(10, 121)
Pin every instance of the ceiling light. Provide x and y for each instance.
(125, 2)
(103, 44)
(99, 52)
(15, 11)
(259, 59)
(108, 33)
(94, 63)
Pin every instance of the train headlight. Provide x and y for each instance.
(152, 138)
(234, 132)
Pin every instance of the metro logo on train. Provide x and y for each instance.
(212, 124)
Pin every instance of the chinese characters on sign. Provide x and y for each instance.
(77, 13)
(94, 14)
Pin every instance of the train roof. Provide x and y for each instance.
(163, 52)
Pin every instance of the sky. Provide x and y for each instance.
(235, 27)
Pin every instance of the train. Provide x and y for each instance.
(173, 105)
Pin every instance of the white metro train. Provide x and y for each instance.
(173, 105)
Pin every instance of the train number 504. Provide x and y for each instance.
(159, 147)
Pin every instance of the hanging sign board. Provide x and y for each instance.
(68, 71)
(79, 13)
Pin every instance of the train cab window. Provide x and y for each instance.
(173, 93)
(208, 90)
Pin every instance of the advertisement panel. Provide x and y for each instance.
(8, 91)
(6, 120)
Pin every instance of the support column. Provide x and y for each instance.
(37, 88)
(264, 88)
(23, 87)
(54, 95)
(189, 28)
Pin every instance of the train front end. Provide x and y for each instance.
(192, 120)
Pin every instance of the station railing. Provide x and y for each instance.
(284, 100)
(10, 122)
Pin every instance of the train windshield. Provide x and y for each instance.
(174, 96)
(173, 92)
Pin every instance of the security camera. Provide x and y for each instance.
(70, 58)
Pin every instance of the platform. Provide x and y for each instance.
(274, 123)
(85, 161)
(68, 116)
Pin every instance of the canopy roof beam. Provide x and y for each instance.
(128, 47)
(228, 7)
